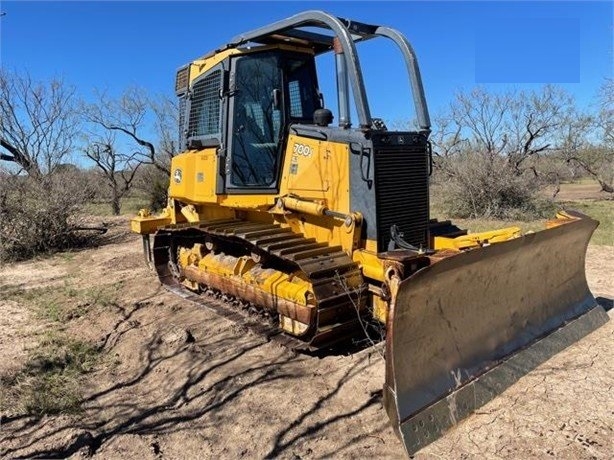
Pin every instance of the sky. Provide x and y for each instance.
(500, 45)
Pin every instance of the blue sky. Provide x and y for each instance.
(523, 44)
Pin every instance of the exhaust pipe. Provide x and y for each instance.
(342, 85)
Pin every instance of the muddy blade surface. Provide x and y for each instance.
(467, 327)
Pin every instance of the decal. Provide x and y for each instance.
(177, 175)
(302, 149)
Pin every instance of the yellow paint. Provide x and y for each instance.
(371, 246)
(307, 207)
(370, 264)
(317, 171)
(291, 287)
(214, 212)
(561, 218)
(207, 62)
(477, 239)
(247, 202)
(145, 224)
(315, 176)
(189, 212)
(380, 308)
(193, 177)
(307, 170)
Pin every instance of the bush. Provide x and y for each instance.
(479, 185)
(154, 183)
(41, 216)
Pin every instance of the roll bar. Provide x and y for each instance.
(348, 33)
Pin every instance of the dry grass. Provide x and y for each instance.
(63, 303)
(603, 211)
(130, 206)
(50, 381)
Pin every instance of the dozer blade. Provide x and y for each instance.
(467, 327)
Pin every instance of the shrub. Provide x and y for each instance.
(154, 183)
(479, 185)
(41, 215)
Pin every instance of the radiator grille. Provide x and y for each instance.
(401, 184)
(205, 108)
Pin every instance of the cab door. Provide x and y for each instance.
(256, 123)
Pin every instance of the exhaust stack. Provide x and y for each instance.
(342, 85)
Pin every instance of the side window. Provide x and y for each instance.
(302, 89)
(296, 105)
(205, 106)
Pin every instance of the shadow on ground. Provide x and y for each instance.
(193, 381)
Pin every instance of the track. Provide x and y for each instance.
(340, 293)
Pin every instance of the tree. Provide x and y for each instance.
(118, 170)
(39, 210)
(484, 144)
(150, 127)
(516, 125)
(587, 140)
(41, 216)
(448, 142)
(166, 127)
(150, 124)
(606, 112)
(38, 123)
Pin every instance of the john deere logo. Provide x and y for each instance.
(177, 175)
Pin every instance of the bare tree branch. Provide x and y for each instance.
(605, 186)
(119, 170)
(585, 141)
(39, 122)
(134, 114)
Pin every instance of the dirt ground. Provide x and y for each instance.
(177, 381)
(579, 191)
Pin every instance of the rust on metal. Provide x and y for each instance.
(229, 285)
(462, 316)
(337, 48)
(338, 287)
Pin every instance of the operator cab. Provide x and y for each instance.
(271, 90)
(261, 93)
(262, 86)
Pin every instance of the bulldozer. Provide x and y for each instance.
(318, 235)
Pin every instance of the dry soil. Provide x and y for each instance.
(177, 381)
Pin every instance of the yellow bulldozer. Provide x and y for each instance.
(319, 236)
